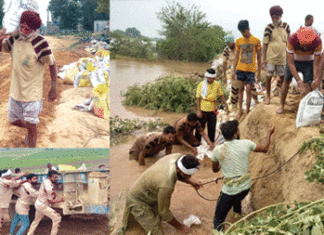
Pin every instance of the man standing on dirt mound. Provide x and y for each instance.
(275, 38)
(304, 50)
(149, 198)
(228, 58)
(30, 52)
(248, 51)
(46, 197)
(233, 158)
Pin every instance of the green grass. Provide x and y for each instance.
(12, 158)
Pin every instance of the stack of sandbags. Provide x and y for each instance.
(86, 72)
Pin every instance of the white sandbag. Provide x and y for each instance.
(68, 67)
(13, 10)
(204, 151)
(76, 80)
(85, 106)
(62, 74)
(192, 219)
(97, 77)
(310, 109)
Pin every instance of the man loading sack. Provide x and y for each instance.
(30, 52)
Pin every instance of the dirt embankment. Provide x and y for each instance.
(59, 126)
(286, 185)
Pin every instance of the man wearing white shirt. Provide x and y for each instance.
(46, 197)
(7, 184)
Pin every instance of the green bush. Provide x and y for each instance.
(170, 93)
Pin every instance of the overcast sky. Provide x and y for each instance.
(141, 14)
(43, 4)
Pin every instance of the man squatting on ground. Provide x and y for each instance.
(46, 197)
(304, 49)
(275, 38)
(228, 58)
(29, 52)
(184, 133)
(7, 184)
(151, 144)
(248, 50)
(149, 198)
(233, 158)
(27, 194)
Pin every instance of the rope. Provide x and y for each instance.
(257, 178)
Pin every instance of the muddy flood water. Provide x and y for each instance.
(185, 201)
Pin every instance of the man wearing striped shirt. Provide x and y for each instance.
(233, 158)
(274, 50)
(30, 52)
(304, 50)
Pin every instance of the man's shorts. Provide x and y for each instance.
(305, 67)
(246, 77)
(27, 111)
(270, 69)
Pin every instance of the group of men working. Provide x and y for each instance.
(285, 55)
(29, 51)
(28, 192)
(282, 54)
(181, 133)
(148, 200)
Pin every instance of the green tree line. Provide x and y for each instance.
(186, 35)
(67, 14)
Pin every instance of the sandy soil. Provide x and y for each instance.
(286, 185)
(59, 126)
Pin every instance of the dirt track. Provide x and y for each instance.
(52, 115)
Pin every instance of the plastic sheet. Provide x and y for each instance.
(192, 219)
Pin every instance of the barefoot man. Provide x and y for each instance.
(30, 52)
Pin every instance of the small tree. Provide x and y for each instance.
(188, 36)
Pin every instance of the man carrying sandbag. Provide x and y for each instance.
(29, 51)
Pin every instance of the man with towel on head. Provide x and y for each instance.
(149, 198)
(7, 184)
(29, 53)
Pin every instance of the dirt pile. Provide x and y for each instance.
(288, 184)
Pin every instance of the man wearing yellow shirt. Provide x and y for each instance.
(207, 93)
(248, 49)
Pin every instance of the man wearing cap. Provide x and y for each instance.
(151, 144)
(27, 195)
(30, 52)
(233, 158)
(228, 58)
(275, 38)
(7, 184)
(47, 197)
(148, 200)
(303, 55)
